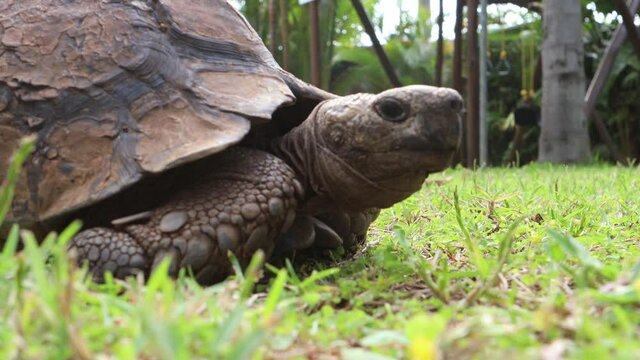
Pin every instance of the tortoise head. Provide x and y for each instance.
(376, 150)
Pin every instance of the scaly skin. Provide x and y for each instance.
(241, 207)
(249, 203)
(321, 185)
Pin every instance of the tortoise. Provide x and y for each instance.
(171, 131)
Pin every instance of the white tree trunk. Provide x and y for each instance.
(564, 136)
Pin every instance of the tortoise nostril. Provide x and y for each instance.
(450, 100)
(456, 104)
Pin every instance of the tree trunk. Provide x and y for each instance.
(314, 31)
(284, 33)
(457, 69)
(473, 82)
(440, 56)
(273, 23)
(564, 136)
(457, 52)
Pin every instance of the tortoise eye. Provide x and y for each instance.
(391, 110)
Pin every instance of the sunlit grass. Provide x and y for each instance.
(499, 263)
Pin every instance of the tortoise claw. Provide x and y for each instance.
(326, 237)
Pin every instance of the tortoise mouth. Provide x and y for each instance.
(406, 163)
(431, 160)
(432, 144)
(422, 153)
(428, 146)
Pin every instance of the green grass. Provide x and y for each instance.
(498, 263)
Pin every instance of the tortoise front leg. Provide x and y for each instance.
(247, 199)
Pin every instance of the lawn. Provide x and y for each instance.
(535, 262)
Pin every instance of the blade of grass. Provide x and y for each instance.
(295, 280)
(275, 293)
(69, 232)
(420, 266)
(317, 276)
(27, 145)
(235, 264)
(572, 247)
(158, 278)
(228, 327)
(472, 247)
(11, 244)
(252, 274)
(506, 244)
(245, 349)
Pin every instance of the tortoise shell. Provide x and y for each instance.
(118, 90)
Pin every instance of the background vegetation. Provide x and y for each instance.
(351, 66)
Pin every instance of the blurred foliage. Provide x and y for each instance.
(350, 65)
(338, 23)
(618, 104)
(358, 69)
(354, 67)
(505, 84)
(603, 6)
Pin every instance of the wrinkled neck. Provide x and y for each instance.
(328, 177)
(297, 150)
